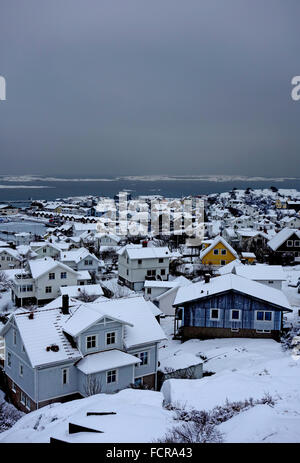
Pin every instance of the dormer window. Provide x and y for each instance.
(110, 338)
(91, 342)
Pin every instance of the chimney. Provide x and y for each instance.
(144, 244)
(206, 278)
(65, 304)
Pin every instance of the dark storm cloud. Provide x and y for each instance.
(136, 87)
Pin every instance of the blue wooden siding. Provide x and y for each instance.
(198, 313)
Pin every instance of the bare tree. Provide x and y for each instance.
(93, 385)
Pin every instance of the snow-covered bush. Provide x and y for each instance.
(288, 339)
(8, 415)
(199, 426)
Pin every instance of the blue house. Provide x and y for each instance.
(59, 354)
(229, 306)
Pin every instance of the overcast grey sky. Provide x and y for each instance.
(121, 87)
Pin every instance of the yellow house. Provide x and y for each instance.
(218, 253)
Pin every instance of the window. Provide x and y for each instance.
(23, 348)
(110, 338)
(44, 250)
(127, 272)
(13, 387)
(163, 271)
(63, 275)
(297, 243)
(111, 376)
(138, 382)
(223, 252)
(21, 369)
(48, 289)
(270, 282)
(263, 331)
(144, 356)
(216, 252)
(91, 342)
(214, 314)
(264, 316)
(148, 290)
(29, 288)
(65, 375)
(160, 261)
(235, 315)
(23, 398)
(140, 261)
(15, 337)
(27, 402)
(51, 276)
(151, 272)
(289, 243)
(8, 359)
(223, 262)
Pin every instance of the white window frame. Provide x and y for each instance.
(288, 243)
(13, 386)
(96, 341)
(48, 292)
(263, 331)
(63, 277)
(23, 395)
(235, 319)
(264, 311)
(148, 358)
(27, 402)
(216, 252)
(210, 313)
(111, 343)
(51, 273)
(223, 252)
(113, 382)
(297, 243)
(67, 370)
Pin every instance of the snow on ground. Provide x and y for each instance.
(139, 417)
(243, 368)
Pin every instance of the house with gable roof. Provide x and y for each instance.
(41, 280)
(286, 242)
(229, 306)
(137, 263)
(9, 259)
(62, 353)
(217, 253)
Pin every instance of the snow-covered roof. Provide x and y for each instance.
(282, 236)
(248, 255)
(228, 282)
(217, 240)
(260, 272)
(10, 251)
(76, 291)
(83, 275)
(140, 252)
(102, 361)
(85, 315)
(43, 331)
(76, 255)
(40, 266)
(179, 281)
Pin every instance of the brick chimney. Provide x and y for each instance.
(206, 278)
(65, 304)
